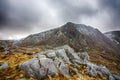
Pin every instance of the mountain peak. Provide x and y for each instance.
(80, 36)
(77, 26)
(73, 26)
(70, 23)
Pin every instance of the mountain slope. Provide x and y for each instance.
(114, 36)
(79, 36)
(87, 42)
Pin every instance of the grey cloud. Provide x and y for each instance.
(3, 15)
(72, 10)
(113, 8)
(33, 16)
(16, 15)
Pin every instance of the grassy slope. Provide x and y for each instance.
(111, 61)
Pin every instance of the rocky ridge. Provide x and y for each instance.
(58, 60)
(78, 36)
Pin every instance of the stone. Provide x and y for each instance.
(104, 70)
(3, 65)
(61, 53)
(73, 57)
(74, 70)
(22, 79)
(26, 66)
(54, 61)
(116, 76)
(111, 77)
(94, 70)
(63, 69)
(39, 68)
(49, 65)
(41, 56)
(84, 57)
(51, 54)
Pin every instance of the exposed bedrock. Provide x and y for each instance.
(54, 61)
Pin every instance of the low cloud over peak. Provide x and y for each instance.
(24, 17)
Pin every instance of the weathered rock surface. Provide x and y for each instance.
(54, 61)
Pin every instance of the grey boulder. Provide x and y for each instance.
(3, 65)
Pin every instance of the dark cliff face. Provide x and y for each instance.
(79, 36)
(85, 38)
(114, 36)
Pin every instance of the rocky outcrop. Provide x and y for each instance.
(78, 36)
(54, 61)
(6, 46)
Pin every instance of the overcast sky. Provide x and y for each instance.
(19, 18)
